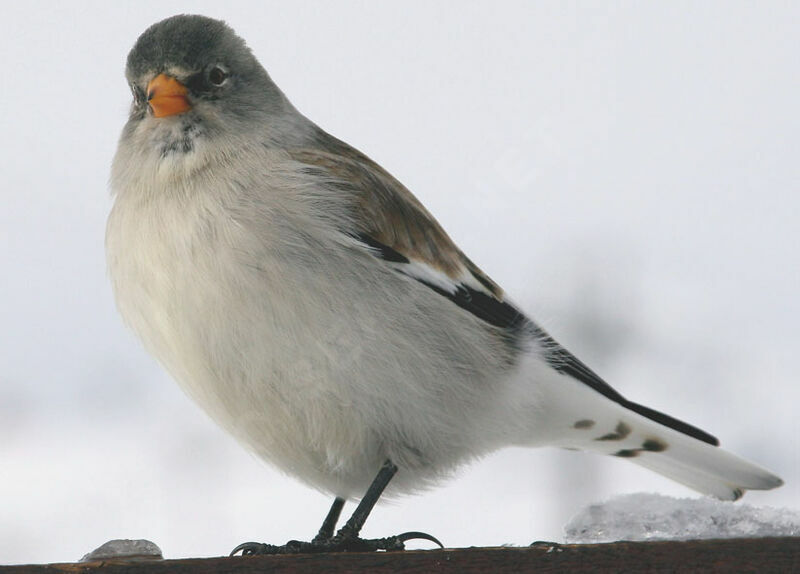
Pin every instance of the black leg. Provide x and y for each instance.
(356, 522)
(346, 540)
(329, 525)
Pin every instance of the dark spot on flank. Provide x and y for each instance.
(414, 450)
(621, 432)
(627, 453)
(583, 424)
(654, 445)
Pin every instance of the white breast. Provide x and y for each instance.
(311, 352)
(214, 300)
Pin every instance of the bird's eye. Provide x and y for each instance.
(217, 76)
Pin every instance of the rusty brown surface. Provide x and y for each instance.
(761, 555)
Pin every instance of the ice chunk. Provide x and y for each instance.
(128, 549)
(645, 516)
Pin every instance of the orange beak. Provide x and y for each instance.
(167, 96)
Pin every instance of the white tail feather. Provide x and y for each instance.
(700, 466)
(590, 421)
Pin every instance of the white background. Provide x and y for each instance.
(629, 172)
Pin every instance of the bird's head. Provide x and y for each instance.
(195, 81)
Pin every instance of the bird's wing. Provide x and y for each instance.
(396, 227)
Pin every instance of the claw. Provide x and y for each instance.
(250, 549)
(414, 535)
(335, 544)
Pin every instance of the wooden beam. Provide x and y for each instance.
(760, 555)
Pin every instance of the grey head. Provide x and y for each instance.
(193, 77)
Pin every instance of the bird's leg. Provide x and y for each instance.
(353, 526)
(346, 539)
(329, 524)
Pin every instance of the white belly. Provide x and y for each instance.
(323, 366)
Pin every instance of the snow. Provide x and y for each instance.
(644, 516)
(128, 549)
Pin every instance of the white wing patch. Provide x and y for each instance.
(421, 271)
(468, 291)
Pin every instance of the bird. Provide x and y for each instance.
(316, 310)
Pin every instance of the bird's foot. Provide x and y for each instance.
(338, 543)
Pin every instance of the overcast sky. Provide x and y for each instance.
(629, 173)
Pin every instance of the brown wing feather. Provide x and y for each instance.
(388, 212)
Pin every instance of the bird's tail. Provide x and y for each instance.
(590, 421)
